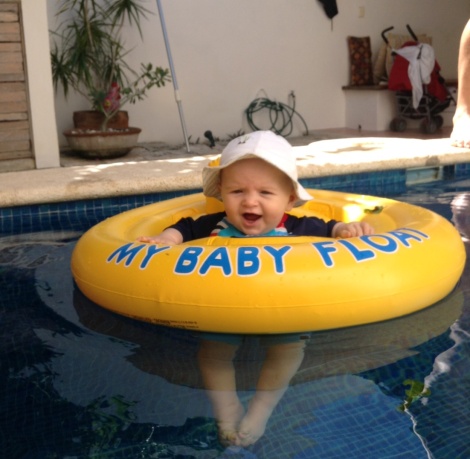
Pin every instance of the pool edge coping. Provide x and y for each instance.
(323, 158)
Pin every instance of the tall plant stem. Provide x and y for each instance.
(86, 18)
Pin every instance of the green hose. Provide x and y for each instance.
(280, 115)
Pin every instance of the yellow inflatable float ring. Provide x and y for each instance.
(272, 284)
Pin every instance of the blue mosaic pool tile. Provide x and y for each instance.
(376, 183)
(462, 170)
(73, 216)
(356, 418)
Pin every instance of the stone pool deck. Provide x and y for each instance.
(157, 168)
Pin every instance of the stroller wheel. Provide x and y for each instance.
(439, 121)
(429, 126)
(398, 124)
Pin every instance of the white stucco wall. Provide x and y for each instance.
(226, 51)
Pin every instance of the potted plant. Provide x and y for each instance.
(89, 56)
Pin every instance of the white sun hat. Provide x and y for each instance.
(265, 145)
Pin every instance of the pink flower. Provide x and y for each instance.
(111, 101)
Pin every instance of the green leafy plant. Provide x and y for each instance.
(110, 417)
(89, 54)
(417, 390)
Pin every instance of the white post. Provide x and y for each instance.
(45, 141)
(173, 74)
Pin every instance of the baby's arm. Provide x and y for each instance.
(345, 230)
(169, 236)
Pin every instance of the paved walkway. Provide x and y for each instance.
(154, 168)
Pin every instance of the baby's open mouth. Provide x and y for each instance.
(251, 217)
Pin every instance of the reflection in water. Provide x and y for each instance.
(442, 418)
(284, 354)
(460, 206)
(449, 360)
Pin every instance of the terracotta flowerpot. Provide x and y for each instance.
(102, 145)
(92, 119)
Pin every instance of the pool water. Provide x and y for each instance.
(77, 381)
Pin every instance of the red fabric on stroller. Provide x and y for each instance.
(399, 81)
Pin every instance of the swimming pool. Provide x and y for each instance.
(79, 382)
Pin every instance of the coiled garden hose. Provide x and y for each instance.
(280, 115)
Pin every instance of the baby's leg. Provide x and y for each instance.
(281, 364)
(218, 373)
(460, 136)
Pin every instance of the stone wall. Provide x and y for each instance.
(15, 132)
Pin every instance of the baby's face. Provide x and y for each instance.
(255, 195)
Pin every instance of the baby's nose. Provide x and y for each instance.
(250, 199)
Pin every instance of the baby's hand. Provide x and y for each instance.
(352, 229)
(169, 236)
(154, 240)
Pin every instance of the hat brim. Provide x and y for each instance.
(211, 181)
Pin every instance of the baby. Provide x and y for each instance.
(258, 184)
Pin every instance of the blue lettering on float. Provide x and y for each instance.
(125, 253)
(424, 235)
(151, 251)
(390, 245)
(188, 259)
(219, 258)
(325, 248)
(248, 261)
(278, 255)
(404, 237)
(358, 254)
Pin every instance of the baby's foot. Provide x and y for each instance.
(253, 425)
(227, 423)
(250, 430)
(460, 136)
(227, 437)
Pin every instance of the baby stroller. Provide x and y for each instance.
(420, 90)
